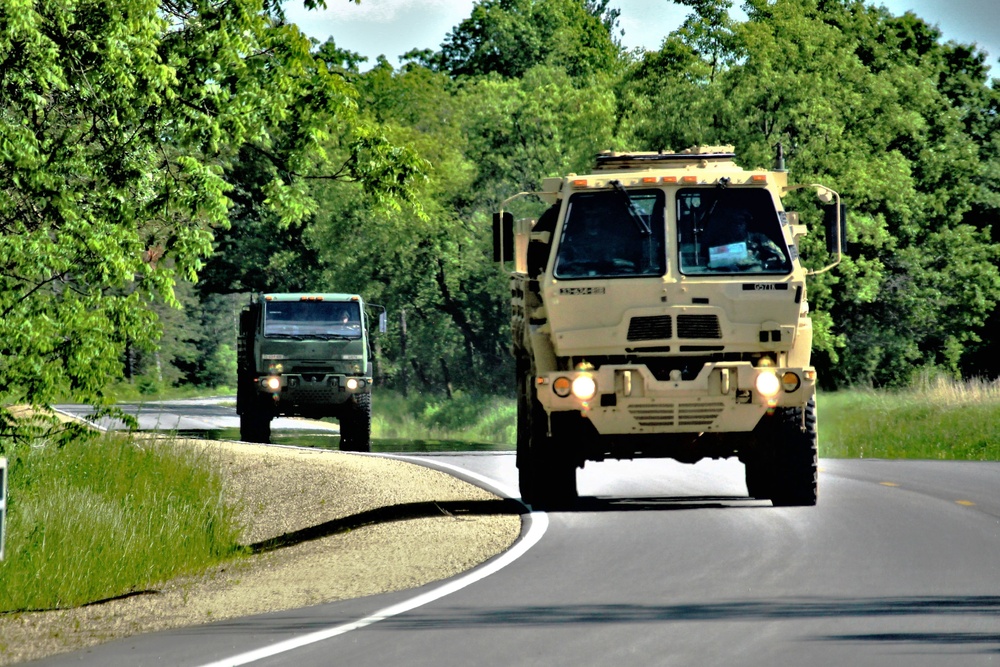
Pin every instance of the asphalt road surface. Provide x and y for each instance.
(198, 414)
(670, 564)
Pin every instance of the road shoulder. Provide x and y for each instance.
(328, 526)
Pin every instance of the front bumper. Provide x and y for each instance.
(723, 398)
(313, 389)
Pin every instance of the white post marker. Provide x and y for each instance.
(3, 502)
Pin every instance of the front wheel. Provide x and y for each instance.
(255, 422)
(783, 468)
(546, 470)
(356, 424)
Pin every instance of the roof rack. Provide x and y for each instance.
(649, 160)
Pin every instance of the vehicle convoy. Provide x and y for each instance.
(659, 310)
(306, 355)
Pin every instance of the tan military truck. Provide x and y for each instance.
(659, 310)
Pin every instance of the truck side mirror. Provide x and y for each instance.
(836, 228)
(382, 322)
(503, 237)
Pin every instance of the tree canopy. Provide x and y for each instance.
(121, 125)
(144, 141)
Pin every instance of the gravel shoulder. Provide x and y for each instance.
(328, 526)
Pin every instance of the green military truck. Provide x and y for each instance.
(659, 309)
(306, 355)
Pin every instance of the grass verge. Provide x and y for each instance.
(109, 516)
(936, 420)
(465, 417)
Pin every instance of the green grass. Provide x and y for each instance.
(110, 516)
(939, 420)
(466, 417)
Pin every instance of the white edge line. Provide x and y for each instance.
(78, 418)
(537, 523)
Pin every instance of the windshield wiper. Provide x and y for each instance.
(308, 336)
(643, 226)
(332, 336)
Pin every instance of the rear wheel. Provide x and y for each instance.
(546, 469)
(356, 424)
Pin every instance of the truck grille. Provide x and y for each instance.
(649, 328)
(681, 414)
(312, 392)
(698, 326)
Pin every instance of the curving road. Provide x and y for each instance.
(189, 414)
(668, 564)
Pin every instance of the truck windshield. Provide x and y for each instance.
(312, 319)
(730, 231)
(612, 234)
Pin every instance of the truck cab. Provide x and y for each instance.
(305, 355)
(660, 309)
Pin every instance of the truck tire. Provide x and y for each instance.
(784, 467)
(255, 422)
(546, 471)
(759, 475)
(356, 424)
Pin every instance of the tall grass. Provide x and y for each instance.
(465, 417)
(935, 419)
(110, 516)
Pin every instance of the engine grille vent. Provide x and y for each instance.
(698, 326)
(650, 328)
(682, 414)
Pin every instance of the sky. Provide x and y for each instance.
(393, 27)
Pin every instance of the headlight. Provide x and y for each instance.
(273, 383)
(352, 384)
(584, 387)
(767, 384)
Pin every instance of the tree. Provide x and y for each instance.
(509, 37)
(118, 122)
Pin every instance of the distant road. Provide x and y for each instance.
(192, 414)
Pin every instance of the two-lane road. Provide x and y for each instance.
(670, 564)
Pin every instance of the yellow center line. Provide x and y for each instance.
(966, 503)
(888, 484)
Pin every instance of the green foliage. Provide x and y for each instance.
(110, 516)
(137, 137)
(510, 37)
(127, 127)
(466, 417)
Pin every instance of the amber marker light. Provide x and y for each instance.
(669, 179)
(562, 386)
(758, 178)
(790, 381)
(688, 180)
(580, 183)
